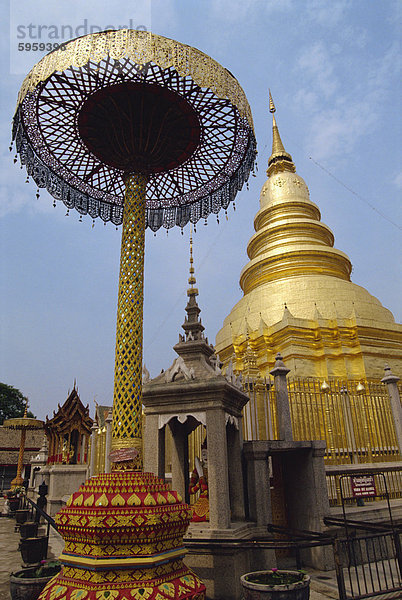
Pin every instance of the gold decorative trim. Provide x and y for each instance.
(112, 563)
(141, 47)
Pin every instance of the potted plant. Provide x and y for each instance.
(275, 584)
(13, 501)
(27, 584)
(21, 515)
(28, 529)
(33, 549)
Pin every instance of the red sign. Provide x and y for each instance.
(363, 486)
(123, 454)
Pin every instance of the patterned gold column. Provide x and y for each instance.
(127, 399)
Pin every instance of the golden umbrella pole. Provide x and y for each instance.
(18, 481)
(22, 423)
(127, 399)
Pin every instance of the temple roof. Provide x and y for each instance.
(72, 415)
(101, 413)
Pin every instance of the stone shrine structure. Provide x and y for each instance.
(38, 461)
(193, 393)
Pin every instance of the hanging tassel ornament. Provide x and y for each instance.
(15, 159)
(54, 203)
(80, 219)
(226, 215)
(67, 213)
(205, 221)
(182, 231)
(217, 219)
(93, 223)
(37, 193)
(195, 228)
(27, 179)
(234, 206)
(11, 147)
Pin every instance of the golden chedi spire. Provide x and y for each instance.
(279, 160)
(293, 262)
(290, 239)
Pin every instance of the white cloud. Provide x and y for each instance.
(340, 114)
(398, 180)
(238, 10)
(327, 13)
(315, 64)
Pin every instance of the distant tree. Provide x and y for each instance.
(12, 403)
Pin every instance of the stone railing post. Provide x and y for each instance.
(108, 443)
(94, 430)
(348, 420)
(279, 373)
(391, 381)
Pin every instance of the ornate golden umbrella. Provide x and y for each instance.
(145, 132)
(22, 424)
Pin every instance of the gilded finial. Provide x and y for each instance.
(192, 291)
(279, 160)
(26, 409)
(272, 108)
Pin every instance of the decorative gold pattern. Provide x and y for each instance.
(141, 47)
(116, 547)
(127, 401)
(299, 300)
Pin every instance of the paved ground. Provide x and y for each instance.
(10, 560)
(323, 583)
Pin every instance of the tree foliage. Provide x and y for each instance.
(12, 403)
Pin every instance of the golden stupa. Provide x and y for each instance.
(298, 297)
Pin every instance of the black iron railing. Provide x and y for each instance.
(37, 514)
(294, 540)
(368, 559)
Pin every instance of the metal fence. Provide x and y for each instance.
(353, 417)
(369, 566)
(387, 478)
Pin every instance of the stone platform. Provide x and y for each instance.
(323, 583)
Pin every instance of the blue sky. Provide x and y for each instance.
(334, 71)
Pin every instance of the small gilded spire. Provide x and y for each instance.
(279, 160)
(192, 291)
(192, 325)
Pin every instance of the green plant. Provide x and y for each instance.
(48, 568)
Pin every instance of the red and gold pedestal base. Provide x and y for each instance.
(123, 536)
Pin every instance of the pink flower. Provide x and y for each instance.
(274, 570)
